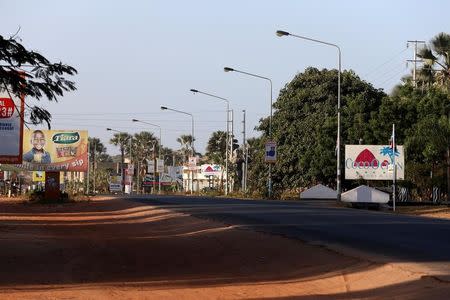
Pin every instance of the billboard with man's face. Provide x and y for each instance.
(55, 150)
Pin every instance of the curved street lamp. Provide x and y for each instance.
(228, 130)
(282, 33)
(192, 132)
(228, 69)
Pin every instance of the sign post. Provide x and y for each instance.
(271, 152)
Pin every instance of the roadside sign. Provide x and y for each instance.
(373, 162)
(271, 152)
(151, 166)
(115, 187)
(160, 165)
(11, 128)
(192, 163)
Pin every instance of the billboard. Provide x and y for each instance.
(211, 170)
(55, 150)
(373, 162)
(11, 128)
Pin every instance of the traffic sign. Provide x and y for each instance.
(271, 152)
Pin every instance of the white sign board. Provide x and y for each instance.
(373, 162)
(150, 166)
(271, 152)
(115, 187)
(192, 163)
(211, 170)
(160, 165)
(11, 128)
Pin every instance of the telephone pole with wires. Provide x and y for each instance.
(415, 60)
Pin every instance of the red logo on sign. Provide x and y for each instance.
(366, 158)
(6, 108)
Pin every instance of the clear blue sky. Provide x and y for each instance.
(133, 56)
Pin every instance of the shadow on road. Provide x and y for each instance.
(134, 244)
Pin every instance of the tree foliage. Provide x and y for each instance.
(216, 148)
(304, 126)
(436, 63)
(27, 73)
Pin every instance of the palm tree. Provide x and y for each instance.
(120, 139)
(186, 145)
(142, 145)
(436, 60)
(216, 148)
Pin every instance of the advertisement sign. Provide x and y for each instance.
(55, 150)
(115, 183)
(38, 176)
(373, 162)
(192, 163)
(150, 166)
(129, 171)
(11, 128)
(271, 152)
(160, 165)
(211, 170)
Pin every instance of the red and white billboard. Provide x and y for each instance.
(11, 128)
(374, 162)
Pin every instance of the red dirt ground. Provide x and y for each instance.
(117, 249)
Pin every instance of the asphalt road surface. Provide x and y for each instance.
(385, 235)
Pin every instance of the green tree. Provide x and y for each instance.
(186, 145)
(216, 148)
(120, 139)
(29, 74)
(436, 62)
(304, 126)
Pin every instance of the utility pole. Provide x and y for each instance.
(154, 167)
(94, 165)
(87, 175)
(244, 152)
(230, 144)
(415, 60)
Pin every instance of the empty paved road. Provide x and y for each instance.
(389, 236)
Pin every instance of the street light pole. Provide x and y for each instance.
(159, 151)
(281, 33)
(228, 69)
(228, 133)
(193, 139)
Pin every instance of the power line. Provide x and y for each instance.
(384, 63)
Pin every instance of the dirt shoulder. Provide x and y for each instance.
(442, 211)
(110, 248)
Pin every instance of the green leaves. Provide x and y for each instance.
(28, 73)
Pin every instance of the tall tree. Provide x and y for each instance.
(216, 148)
(186, 145)
(304, 126)
(27, 73)
(120, 139)
(436, 62)
(96, 148)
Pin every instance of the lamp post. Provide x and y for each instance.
(228, 130)
(281, 33)
(159, 150)
(123, 170)
(192, 133)
(228, 69)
